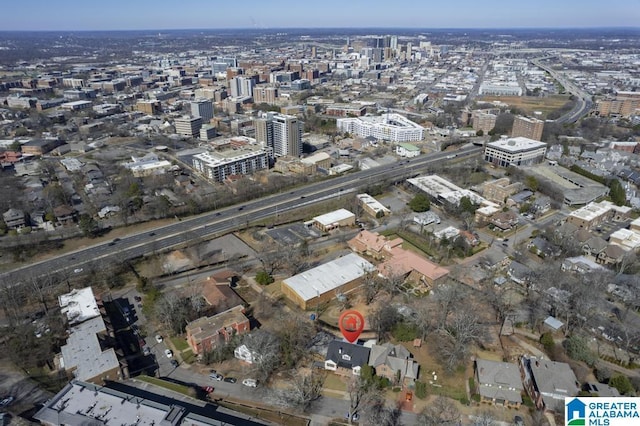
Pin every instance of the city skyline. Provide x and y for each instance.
(74, 15)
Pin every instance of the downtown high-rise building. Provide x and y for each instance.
(241, 86)
(282, 133)
(202, 108)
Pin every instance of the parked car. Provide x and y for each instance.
(230, 379)
(146, 351)
(174, 363)
(6, 401)
(158, 338)
(252, 383)
(137, 298)
(168, 353)
(216, 376)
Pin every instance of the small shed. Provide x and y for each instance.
(553, 323)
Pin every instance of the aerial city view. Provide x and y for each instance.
(343, 213)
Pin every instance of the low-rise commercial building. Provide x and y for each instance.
(333, 220)
(516, 151)
(322, 283)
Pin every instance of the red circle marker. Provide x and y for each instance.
(351, 324)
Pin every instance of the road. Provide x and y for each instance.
(583, 99)
(220, 222)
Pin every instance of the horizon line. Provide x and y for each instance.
(330, 28)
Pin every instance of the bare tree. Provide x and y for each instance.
(294, 335)
(13, 300)
(371, 283)
(40, 287)
(377, 412)
(446, 296)
(441, 412)
(305, 389)
(266, 349)
(393, 282)
(456, 336)
(484, 419)
(383, 318)
(272, 260)
(361, 395)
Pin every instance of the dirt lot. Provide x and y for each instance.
(529, 104)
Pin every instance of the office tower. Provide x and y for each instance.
(393, 43)
(282, 133)
(188, 126)
(409, 47)
(241, 87)
(527, 128)
(202, 108)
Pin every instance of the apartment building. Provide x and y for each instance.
(217, 166)
(527, 128)
(282, 133)
(390, 127)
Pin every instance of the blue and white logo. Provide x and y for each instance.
(602, 411)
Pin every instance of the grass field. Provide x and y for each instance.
(165, 384)
(529, 104)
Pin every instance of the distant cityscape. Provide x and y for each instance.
(186, 214)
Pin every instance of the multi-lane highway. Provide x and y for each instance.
(583, 100)
(222, 221)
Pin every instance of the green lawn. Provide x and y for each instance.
(180, 343)
(167, 385)
(188, 357)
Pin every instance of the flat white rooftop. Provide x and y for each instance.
(330, 218)
(516, 144)
(79, 305)
(329, 276)
(84, 353)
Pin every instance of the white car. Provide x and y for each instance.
(158, 338)
(77, 270)
(168, 353)
(252, 383)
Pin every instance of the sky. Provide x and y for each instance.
(77, 15)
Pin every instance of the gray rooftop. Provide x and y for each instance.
(499, 380)
(84, 353)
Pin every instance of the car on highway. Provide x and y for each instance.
(230, 379)
(159, 338)
(152, 234)
(216, 376)
(77, 270)
(252, 383)
(174, 363)
(168, 353)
